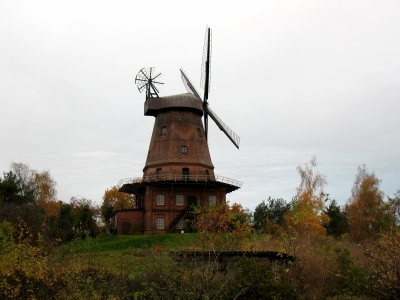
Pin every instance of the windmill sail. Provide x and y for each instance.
(205, 80)
(188, 84)
(205, 84)
(229, 132)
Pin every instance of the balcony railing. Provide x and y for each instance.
(180, 177)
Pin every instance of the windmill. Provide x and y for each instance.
(178, 172)
(205, 84)
(144, 79)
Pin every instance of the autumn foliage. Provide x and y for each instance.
(307, 212)
(368, 213)
(112, 201)
(221, 228)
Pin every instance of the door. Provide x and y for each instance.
(191, 200)
(126, 228)
(185, 174)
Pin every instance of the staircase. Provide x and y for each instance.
(179, 217)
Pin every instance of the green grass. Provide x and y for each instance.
(123, 253)
(170, 242)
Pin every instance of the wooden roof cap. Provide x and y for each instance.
(187, 101)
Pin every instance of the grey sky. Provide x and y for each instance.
(292, 78)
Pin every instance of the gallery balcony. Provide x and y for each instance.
(125, 185)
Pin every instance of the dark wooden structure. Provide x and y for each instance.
(226, 259)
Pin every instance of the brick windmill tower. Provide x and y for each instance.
(178, 172)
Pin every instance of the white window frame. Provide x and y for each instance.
(184, 150)
(212, 200)
(180, 200)
(160, 199)
(160, 223)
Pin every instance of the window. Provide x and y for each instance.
(184, 149)
(179, 200)
(164, 130)
(198, 132)
(212, 200)
(160, 223)
(159, 172)
(180, 224)
(160, 199)
(185, 174)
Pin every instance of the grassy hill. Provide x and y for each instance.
(169, 241)
(122, 253)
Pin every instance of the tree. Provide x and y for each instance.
(66, 221)
(307, 213)
(222, 227)
(368, 213)
(46, 194)
(44, 186)
(85, 217)
(114, 200)
(10, 190)
(269, 216)
(119, 200)
(25, 177)
(395, 207)
(261, 216)
(338, 221)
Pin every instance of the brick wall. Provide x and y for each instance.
(133, 217)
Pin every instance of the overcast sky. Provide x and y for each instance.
(292, 78)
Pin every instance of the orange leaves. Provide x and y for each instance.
(221, 228)
(51, 208)
(45, 193)
(368, 213)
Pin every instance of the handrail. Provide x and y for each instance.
(179, 177)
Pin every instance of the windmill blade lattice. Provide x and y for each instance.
(228, 132)
(205, 84)
(205, 80)
(145, 79)
(188, 84)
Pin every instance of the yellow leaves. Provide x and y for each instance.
(222, 228)
(307, 212)
(311, 188)
(118, 200)
(51, 208)
(368, 213)
(45, 187)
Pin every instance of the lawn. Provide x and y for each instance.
(122, 253)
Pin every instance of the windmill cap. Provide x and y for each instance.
(187, 101)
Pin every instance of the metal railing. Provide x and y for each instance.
(179, 177)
